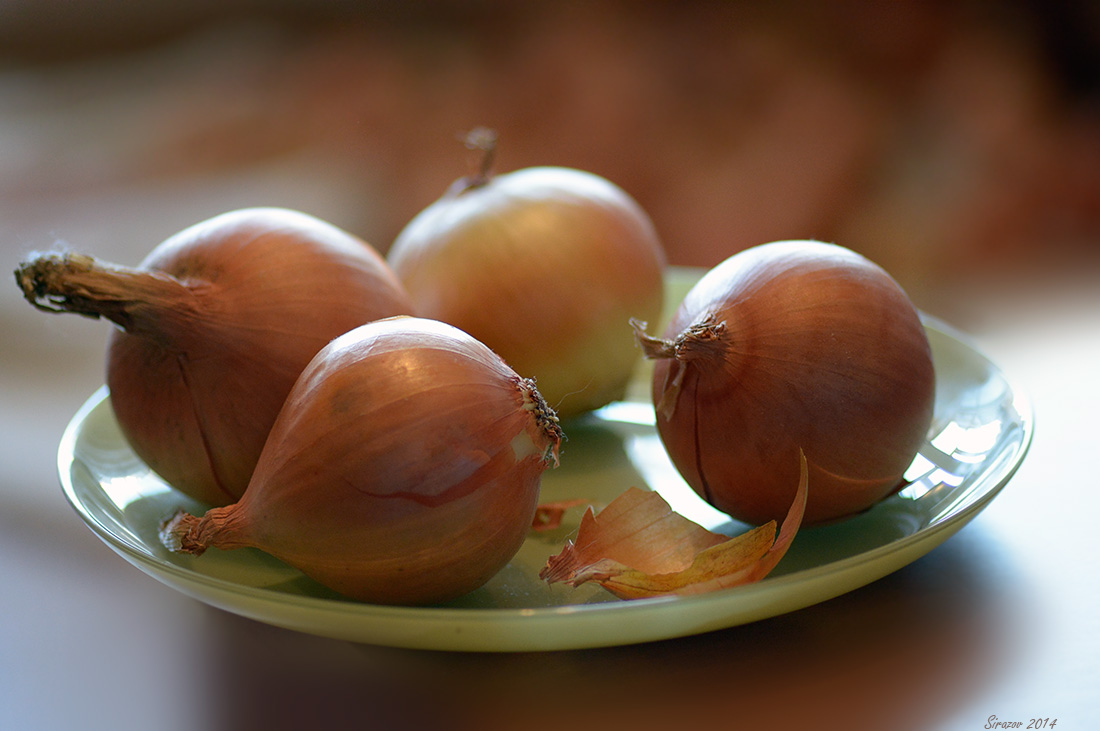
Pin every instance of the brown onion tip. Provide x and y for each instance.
(83, 285)
(652, 347)
(42, 278)
(177, 534)
(483, 140)
(694, 340)
(697, 338)
(545, 417)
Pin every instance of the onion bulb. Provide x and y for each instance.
(546, 266)
(787, 346)
(215, 325)
(403, 469)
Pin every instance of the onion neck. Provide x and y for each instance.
(222, 527)
(484, 141)
(696, 340)
(82, 285)
(546, 420)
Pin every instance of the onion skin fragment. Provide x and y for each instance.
(546, 266)
(788, 346)
(637, 547)
(404, 468)
(214, 327)
(549, 516)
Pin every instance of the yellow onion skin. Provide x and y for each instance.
(546, 266)
(404, 468)
(786, 346)
(215, 325)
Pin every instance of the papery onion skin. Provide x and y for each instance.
(789, 345)
(216, 324)
(404, 469)
(545, 265)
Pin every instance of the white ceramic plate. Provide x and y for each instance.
(982, 429)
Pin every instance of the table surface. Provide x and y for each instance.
(999, 621)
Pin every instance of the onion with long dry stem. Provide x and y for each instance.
(546, 266)
(215, 325)
(404, 468)
(788, 346)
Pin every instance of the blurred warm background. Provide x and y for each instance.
(938, 138)
(956, 143)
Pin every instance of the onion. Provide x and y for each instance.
(403, 469)
(546, 266)
(215, 326)
(787, 346)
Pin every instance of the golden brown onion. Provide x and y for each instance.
(404, 468)
(215, 326)
(546, 266)
(786, 346)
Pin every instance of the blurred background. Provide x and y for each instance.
(955, 143)
(938, 138)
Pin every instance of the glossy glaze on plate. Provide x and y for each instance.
(980, 435)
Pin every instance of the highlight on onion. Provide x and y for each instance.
(546, 266)
(404, 468)
(788, 346)
(214, 327)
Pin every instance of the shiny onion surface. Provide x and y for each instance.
(546, 266)
(404, 468)
(787, 346)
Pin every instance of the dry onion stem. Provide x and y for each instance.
(638, 547)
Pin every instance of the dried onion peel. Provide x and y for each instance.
(214, 326)
(637, 547)
(789, 346)
(404, 468)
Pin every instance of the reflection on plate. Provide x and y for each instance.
(980, 434)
